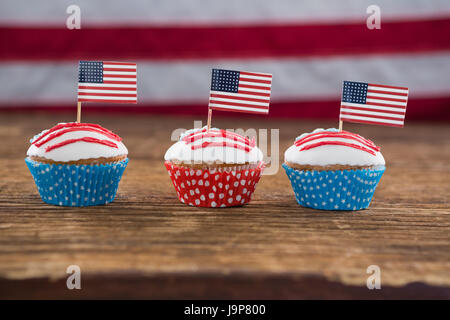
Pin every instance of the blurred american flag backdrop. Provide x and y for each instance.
(310, 47)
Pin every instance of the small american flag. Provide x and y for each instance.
(373, 104)
(240, 91)
(100, 81)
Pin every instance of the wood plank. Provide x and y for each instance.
(147, 232)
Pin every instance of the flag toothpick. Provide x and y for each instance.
(239, 91)
(106, 82)
(373, 104)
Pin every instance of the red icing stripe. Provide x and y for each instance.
(349, 135)
(198, 135)
(84, 139)
(207, 144)
(229, 133)
(75, 124)
(339, 143)
(215, 134)
(339, 135)
(64, 131)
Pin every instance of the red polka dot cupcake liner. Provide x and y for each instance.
(214, 187)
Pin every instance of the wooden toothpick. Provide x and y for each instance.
(209, 118)
(79, 112)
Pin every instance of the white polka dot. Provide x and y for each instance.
(221, 196)
(213, 204)
(211, 195)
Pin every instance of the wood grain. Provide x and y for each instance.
(147, 234)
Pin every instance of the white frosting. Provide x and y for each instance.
(326, 155)
(183, 152)
(78, 150)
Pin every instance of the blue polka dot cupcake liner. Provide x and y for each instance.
(334, 190)
(77, 185)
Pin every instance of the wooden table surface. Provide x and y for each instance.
(146, 244)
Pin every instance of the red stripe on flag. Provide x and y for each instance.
(388, 92)
(118, 82)
(106, 100)
(386, 99)
(238, 104)
(385, 105)
(242, 111)
(254, 93)
(200, 42)
(248, 86)
(372, 122)
(120, 63)
(255, 80)
(119, 76)
(238, 98)
(107, 94)
(255, 74)
(106, 88)
(374, 110)
(370, 116)
(120, 69)
(388, 87)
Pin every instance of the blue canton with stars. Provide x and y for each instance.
(225, 80)
(90, 71)
(354, 92)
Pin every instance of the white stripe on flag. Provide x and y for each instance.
(381, 121)
(242, 95)
(373, 113)
(394, 103)
(393, 90)
(107, 91)
(263, 104)
(349, 104)
(256, 110)
(119, 73)
(107, 85)
(107, 98)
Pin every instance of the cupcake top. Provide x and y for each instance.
(213, 146)
(333, 147)
(74, 141)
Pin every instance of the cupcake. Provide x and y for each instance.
(214, 168)
(333, 170)
(77, 164)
